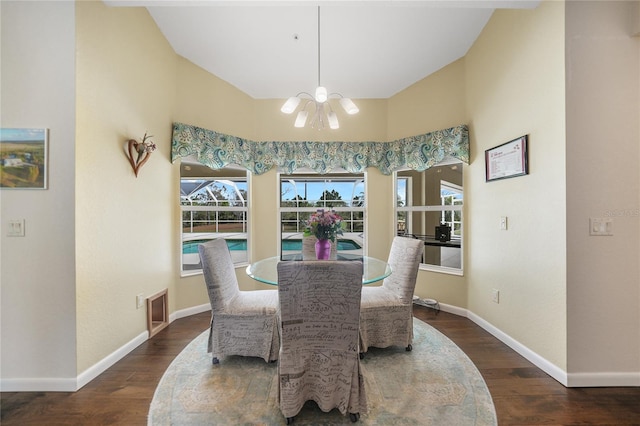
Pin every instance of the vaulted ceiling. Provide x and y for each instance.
(368, 49)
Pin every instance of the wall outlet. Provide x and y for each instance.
(139, 301)
(16, 228)
(495, 295)
(503, 223)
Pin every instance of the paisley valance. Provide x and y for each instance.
(217, 150)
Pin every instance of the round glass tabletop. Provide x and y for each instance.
(266, 270)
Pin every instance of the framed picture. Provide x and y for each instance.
(23, 158)
(507, 160)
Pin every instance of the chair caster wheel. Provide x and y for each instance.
(409, 348)
(354, 417)
(289, 420)
(215, 361)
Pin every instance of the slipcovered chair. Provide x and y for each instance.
(242, 322)
(309, 248)
(386, 314)
(319, 358)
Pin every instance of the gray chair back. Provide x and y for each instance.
(404, 257)
(319, 322)
(219, 273)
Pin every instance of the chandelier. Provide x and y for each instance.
(323, 113)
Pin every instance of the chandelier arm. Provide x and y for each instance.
(329, 105)
(309, 101)
(317, 122)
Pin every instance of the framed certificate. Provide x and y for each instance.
(507, 160)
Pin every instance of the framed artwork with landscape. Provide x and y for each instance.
(23, 158)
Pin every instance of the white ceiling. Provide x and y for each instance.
(368, 49)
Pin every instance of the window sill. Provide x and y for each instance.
(193, 273)
(185, 274)
(441, 269)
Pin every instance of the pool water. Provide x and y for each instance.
(189, 247)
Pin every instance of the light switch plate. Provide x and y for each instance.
(16, 228)
(601, 226)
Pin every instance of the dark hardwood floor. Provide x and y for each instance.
(522, 394)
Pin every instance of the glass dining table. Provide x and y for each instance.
(266, 270)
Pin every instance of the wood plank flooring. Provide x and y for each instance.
(522, 393)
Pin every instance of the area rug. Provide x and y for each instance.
(435, 384)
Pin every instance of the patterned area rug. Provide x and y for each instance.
(435, 384)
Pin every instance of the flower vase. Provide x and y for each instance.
(323, 249)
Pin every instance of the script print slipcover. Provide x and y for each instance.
(242, 322)
(386, 314)
(319, 356)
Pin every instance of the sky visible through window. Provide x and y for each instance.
(313, 190)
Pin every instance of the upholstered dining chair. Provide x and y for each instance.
(309, 248)
(319, 357)
(242, 322)
(386, 314)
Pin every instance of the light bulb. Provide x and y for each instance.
(301, 119)
(321, 94)
(291, 105)
(349, 106)
(333, 120)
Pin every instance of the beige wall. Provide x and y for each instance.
(206, 101)
(515, 86)
(125, 239)
(434, 103)
(603, 180)
(37, 281)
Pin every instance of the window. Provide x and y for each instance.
(303, 194)
(213, 204)
(430, 199)
(451, 195)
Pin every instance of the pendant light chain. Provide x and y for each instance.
(319, 46)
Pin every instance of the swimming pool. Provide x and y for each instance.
(190, 247)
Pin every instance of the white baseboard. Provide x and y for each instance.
(189, 311)
(568, 380)
(101, 366)
(539, 361)
(604, 379)
(59, 384)
(453, 310)
(120, 353)
(72, 384)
